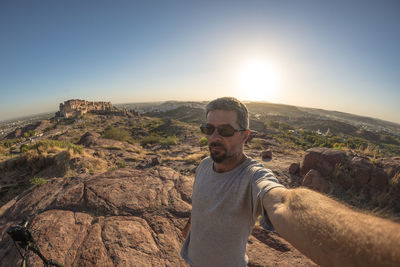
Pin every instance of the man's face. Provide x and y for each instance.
(223, 149)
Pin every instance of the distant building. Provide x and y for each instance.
(77, 107)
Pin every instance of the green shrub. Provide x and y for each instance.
(38, 181)
(170, 140)
(203, 141)
(3, 150)
(10, 142)
(117, 134)
(257, 143)
(121, 164)
(356, 143)
(29, 133)
(149, 140)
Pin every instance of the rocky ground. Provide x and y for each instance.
(123, 203)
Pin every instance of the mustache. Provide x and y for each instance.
(214, 144)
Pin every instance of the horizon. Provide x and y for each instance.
(173, 100)
(337, 56)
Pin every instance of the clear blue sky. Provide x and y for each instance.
(336, 55)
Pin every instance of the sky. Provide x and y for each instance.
(334, 55)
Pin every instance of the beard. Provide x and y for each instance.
(220, 155)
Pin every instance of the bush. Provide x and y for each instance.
(3, 151)
(121, 164)
(149, 140)
(38, 181)
(10, 142)
(203, 141)
(170, 140)
(356, 143)
(29, 133)
(117, 134)
(257, 143)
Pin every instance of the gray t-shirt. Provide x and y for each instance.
(225, 207)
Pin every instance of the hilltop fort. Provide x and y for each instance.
(77, 107)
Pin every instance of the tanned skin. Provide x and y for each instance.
(330, 233)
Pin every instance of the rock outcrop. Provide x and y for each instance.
(377, 183)
(123, 217)
(314, 181)
(119, 218)
(266, 154)
(323, 160)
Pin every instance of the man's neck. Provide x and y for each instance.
(229, 165)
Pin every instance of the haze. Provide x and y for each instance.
(337, 56)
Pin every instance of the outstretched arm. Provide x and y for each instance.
(330, 233)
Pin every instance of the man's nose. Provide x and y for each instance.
(215, 135)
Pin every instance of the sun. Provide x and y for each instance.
(258, 81)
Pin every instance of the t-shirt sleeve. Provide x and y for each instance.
(263, 181)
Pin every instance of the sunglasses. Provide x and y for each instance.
(225, 130)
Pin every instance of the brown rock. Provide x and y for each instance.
(322, 159)
(92, 139)
(345, 180)
(379, 179)
(123, 217)
(145, 232)
(294, 168)
(89, 139)
(361, 168)
(391, 166)
(315, 181)
(268, 249)
(59, 234)
(267, 154)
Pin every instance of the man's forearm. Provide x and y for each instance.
(330, 233)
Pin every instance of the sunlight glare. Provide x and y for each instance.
(258, 81)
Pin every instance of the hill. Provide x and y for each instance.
(115, 189)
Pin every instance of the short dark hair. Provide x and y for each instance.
(231, 103)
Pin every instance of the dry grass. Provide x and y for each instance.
(196, 157)
(170, 158)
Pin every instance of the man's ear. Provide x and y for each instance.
(246, 135)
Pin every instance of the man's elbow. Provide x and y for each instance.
(275, 204)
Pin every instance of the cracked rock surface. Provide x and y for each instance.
(124, 217)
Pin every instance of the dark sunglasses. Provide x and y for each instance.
(225, 130)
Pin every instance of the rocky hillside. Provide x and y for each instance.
(120, 218)
(107, 190)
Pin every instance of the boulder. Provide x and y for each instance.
(294, 168)
(322, 159)
(391, 166)
(315, 181)
(361, 168)
(345, 180)
(267, 154)
(379, 179)
(89, 139)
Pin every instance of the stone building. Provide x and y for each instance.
(76, 107)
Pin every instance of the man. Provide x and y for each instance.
(230, 191)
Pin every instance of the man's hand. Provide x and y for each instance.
(330, 233)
